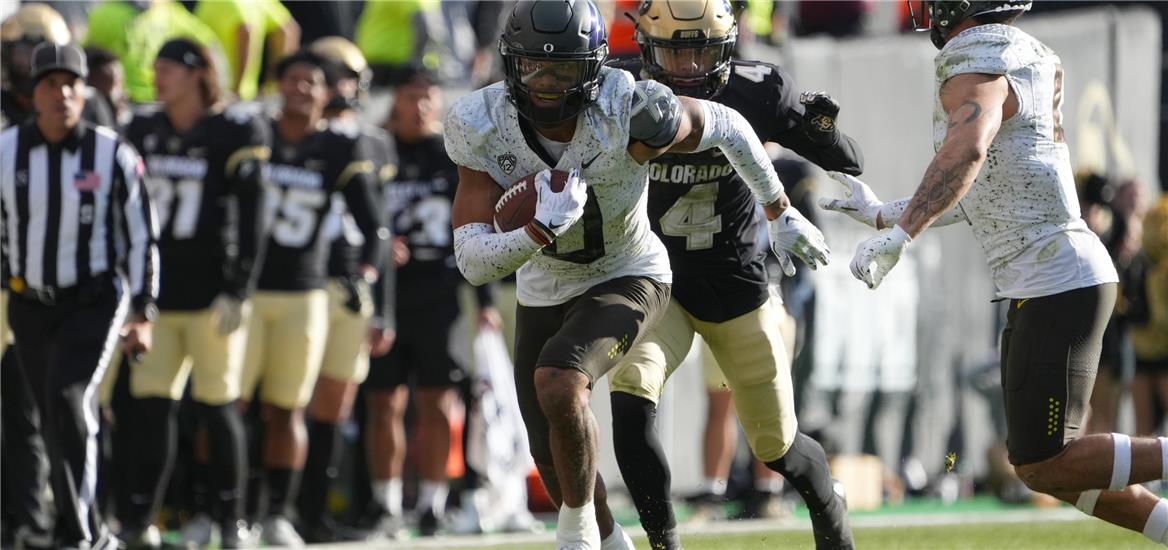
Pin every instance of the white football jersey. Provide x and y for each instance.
(613, 238)
(1023, 206)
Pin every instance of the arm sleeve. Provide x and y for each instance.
(727, 130)
(484, 255)
(247, 169)
(842, 156)
(485, 295)
(138, 227)
(891, 212)
(358, 186)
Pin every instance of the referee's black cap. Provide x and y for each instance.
(49, 57)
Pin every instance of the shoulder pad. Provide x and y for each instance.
(467, 126)
(243, 113)
(654, 115)
(345, 129)
(988, 49)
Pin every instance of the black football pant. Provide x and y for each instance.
(25, 464)
(63, 350)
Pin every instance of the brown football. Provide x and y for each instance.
(516, 207)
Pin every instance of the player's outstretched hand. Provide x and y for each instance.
(877, 256)
(558, 210)
(794, 234)
(859, 202)
(227, 313)
(820, 112)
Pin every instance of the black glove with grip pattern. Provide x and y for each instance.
(820, 112)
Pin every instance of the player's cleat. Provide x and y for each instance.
(329, 530)
(278, 531)
(830, 525)
(237, 535)
(197, 532)
(430, 523)
(146, 538)
(763, 505)
(389, 527)
(706, 506)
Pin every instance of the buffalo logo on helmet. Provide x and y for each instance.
(822, 123)
(507, 162)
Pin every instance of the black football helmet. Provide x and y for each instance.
(552, 54)
(940, 16)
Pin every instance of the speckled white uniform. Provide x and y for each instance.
(482, 133)
(1023, 207)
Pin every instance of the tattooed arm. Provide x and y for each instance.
(977, 104)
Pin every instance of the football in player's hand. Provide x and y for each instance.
(516, 207)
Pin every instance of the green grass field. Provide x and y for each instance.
(1057, 535)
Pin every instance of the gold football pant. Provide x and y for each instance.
(285, 345)
(187, 344)
(346, 352)
(753, 358)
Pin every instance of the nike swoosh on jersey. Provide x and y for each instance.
(585, 165)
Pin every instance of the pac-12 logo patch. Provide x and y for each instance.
(507, 162)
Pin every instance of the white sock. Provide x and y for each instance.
(578, 525)
(714, 485)
(1156, 527)
(432, 496)
(617, 540)
(388, 494)
(772, 485)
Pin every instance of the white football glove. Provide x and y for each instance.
(793, 233)
(877, 256)
(227, 314)
(558, 211)
(860, 202)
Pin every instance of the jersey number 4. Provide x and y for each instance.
(297, 215)
(177, 203)
(694, 217)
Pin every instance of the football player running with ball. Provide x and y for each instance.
(710, 224)
(592, 276)
(1002, 166)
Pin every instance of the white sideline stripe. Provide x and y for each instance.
(450, 542)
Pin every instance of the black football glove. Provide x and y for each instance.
(360, 295)
(819, 115)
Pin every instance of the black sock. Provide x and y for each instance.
(154, 429)
(643, 466)
(805, 467)
(257, 496)
(324, 439)
(282, 486)
(228, 469)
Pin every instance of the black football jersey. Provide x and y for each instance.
(710, 222)
(305, 176)
(344, 255)
(207, 188)
(419, 200)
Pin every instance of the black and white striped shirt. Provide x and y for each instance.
(74, 210)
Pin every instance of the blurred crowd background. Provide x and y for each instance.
(909, 409)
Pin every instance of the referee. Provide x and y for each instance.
(79, 234)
